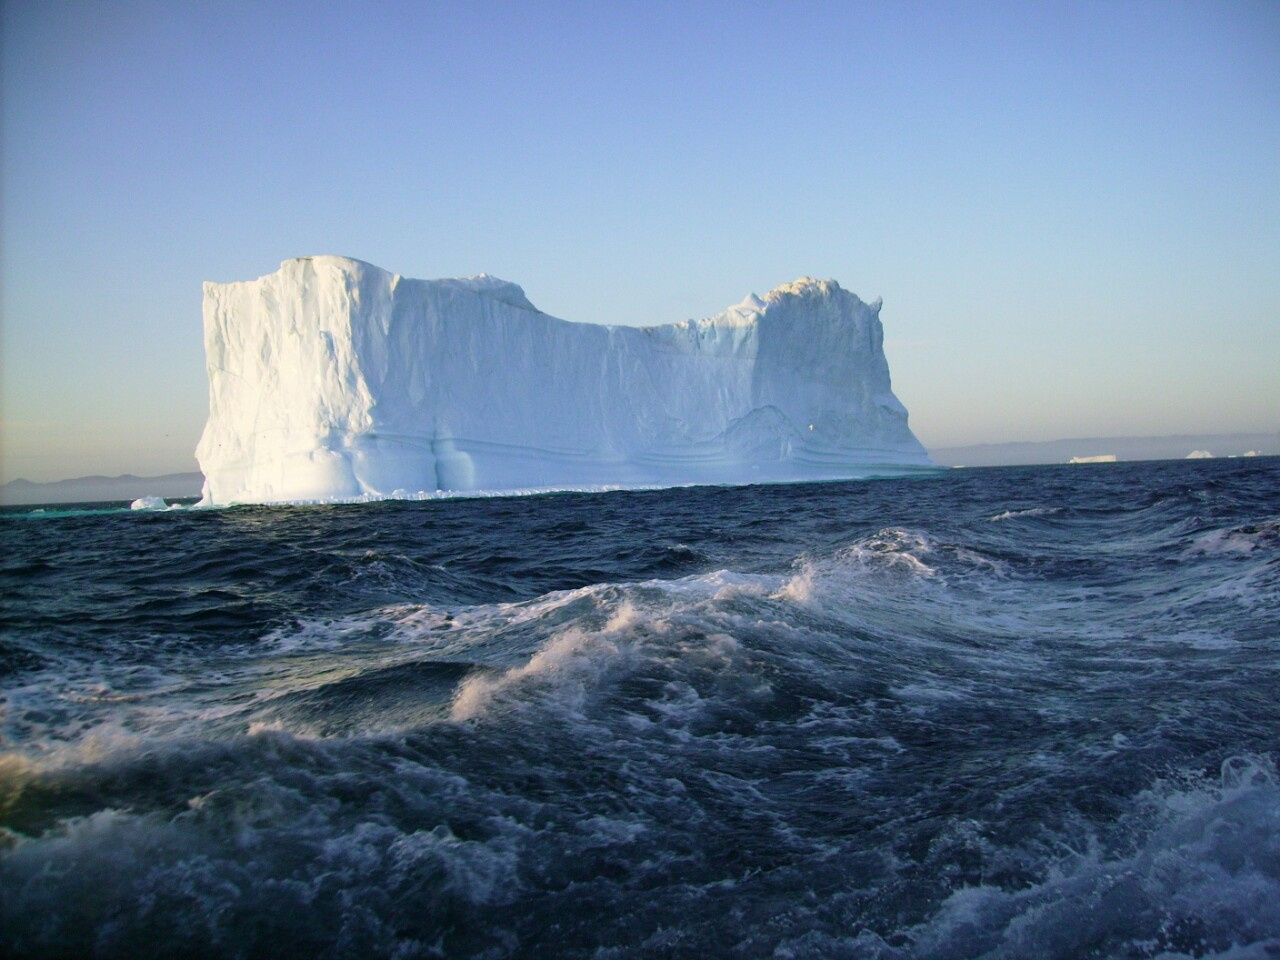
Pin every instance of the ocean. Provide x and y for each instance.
(1022, 712)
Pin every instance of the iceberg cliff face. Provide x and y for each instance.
(333, 379)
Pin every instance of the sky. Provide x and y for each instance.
(1071, 210)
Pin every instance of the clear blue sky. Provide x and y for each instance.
(1072, 211)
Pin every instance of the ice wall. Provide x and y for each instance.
(333, 379)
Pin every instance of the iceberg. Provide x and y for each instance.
(332, 379)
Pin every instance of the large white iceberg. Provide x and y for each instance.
(334, 379)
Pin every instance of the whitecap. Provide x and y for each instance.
(1205, 882)
(1029, 512)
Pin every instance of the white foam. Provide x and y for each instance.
(1205, 882)
(1238, 540)
(844, 575)
(1028, 512)
(613, 631)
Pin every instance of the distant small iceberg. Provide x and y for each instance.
(1199, 455)
(1099, 458)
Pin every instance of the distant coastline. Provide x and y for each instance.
(1029, 453)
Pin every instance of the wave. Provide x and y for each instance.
(1028, 512)
(1202, 881)
(274, 844)
(913, 593)
(1242, 539)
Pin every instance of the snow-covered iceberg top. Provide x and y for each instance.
(334, 379)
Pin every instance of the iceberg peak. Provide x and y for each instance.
(335, 379)
(804, 287)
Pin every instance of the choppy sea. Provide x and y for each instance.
(1016, 713)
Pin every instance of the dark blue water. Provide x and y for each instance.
(1023, 712)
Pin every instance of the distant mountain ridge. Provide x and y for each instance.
(95, 489)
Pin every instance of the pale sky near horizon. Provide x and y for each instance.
(1071, 210)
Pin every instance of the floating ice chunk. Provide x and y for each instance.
(149, 503)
